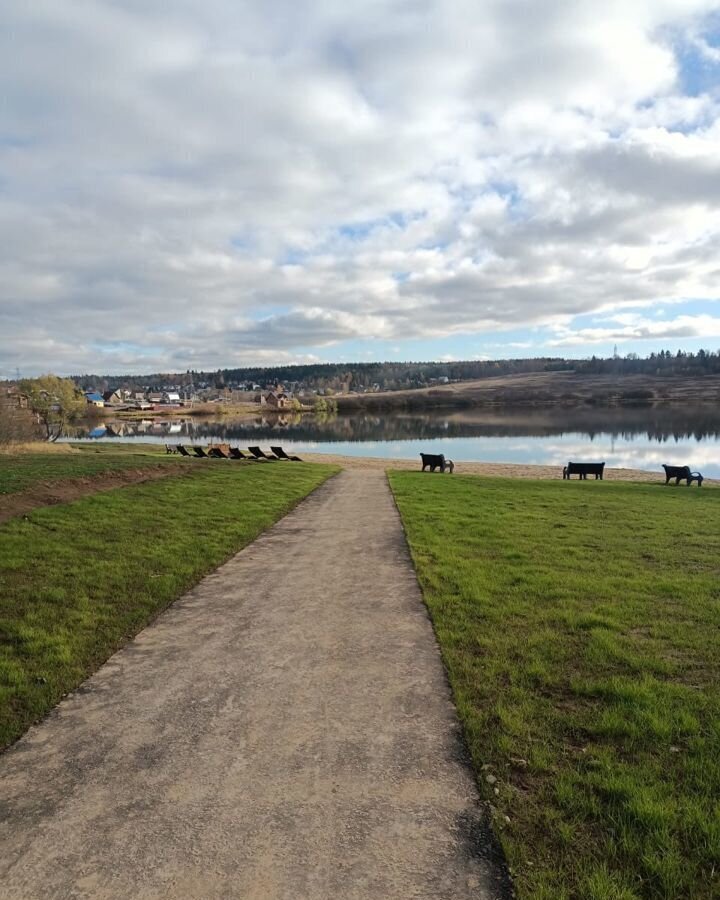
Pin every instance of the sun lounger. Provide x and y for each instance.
(236, 453)
(182, 451)
(258, 454)
(281, 454)
(217, 453)
(200, 452)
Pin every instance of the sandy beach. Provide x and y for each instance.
(507, 470)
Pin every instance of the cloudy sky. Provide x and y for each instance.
(219, 183)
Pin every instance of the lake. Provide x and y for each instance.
(640, 437)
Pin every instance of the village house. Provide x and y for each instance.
(112, 397)
(279, 400)
(95, 399)
(19, 399)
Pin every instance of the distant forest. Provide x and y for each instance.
(405, 375)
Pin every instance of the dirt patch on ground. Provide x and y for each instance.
(52, 493)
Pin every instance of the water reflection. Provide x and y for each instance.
(641, 437)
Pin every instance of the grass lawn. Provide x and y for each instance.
(78, 580)
(20, 472)
(580, 626)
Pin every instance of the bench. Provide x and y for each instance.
(583, 470)
(678, 472)
(435, 461)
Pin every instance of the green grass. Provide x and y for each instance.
(580, 626)
(78, 580)
(22, 471)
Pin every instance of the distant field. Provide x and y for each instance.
(544, 388)
(579, 623)
(78, 580)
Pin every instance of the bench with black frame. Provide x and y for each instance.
(583, 470)
(682, 472)
(435, 461)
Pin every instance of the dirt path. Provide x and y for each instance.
(51, 493)
(285, 730)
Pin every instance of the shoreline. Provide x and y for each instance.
(368, 463)
(505, 470)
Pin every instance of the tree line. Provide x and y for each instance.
(384, 376)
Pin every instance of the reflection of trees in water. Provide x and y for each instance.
(655, 423)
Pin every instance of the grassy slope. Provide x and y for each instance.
(76, 581)
(19, 472)
(579, 623)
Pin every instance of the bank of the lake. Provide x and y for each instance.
(639, 437)
(210, 411)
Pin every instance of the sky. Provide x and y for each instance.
(226, 183)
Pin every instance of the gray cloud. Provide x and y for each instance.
(201, 185)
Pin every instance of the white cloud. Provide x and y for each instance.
(632, 327)
(208, 184)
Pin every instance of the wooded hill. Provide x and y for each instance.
(395, 376)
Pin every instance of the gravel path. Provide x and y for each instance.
(285, 730)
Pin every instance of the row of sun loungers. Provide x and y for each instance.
(256, 454)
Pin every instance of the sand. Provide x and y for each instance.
(505, 470)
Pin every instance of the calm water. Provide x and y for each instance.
(636, 437)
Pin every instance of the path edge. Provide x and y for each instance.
(485, 845)
(156, 614)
